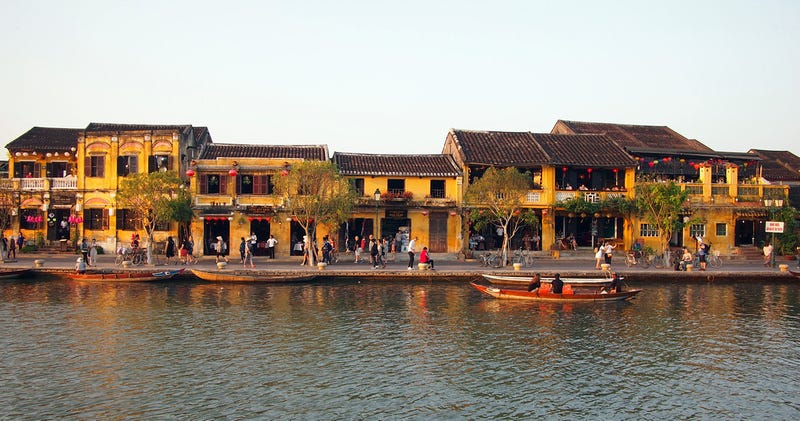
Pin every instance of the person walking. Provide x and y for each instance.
(411, 245)
(248, 256)
(222, 249)
(85, 250)
(169, 250)
(242, 247)
(12, 249)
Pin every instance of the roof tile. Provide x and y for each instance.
(234, 150)
(433, 165)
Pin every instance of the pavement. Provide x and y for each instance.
(446, 265)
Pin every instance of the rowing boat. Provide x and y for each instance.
(128, 276)
(244, 276)
(544, 294)
(13, 273)
(524, 280)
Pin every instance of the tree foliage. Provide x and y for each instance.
(152, 198)
(6, 204)
(315, 193)
(786, 242)
(661, 205)
(497, 199)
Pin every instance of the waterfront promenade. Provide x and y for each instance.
(447, 268)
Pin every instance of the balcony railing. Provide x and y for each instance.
(31, 183)
(64, 183)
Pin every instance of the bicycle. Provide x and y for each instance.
(637, 257)
(714, 260)
(490, 259)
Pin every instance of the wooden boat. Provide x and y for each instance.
(13, 273)
(524, 280)
(245, 276)
(795, 273)
(544, 294)
(130, 276)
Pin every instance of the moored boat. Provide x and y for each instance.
(233, 276)
(524, 280)
(795, 273)
(13, 273)
(128, 276)
(544, 294)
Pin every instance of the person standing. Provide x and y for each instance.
(12, 249)
(169, 250)
(222, 249)
(768, 250)
(356, 250)
(702, 252)
(80, 265)
(20, 241)
(85, 250)
(609, 249)
(374, 252)
(598, 256)
(93, 253)
(242, 247)
(411, 245)
(271, 242)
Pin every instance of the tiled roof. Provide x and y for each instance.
(499, 148)
(635, 136)
(114, 127)
(434, 165)
(45, 139)
(235, 150)
(584, 150)
(778, 165)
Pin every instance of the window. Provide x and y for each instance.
(396, 186)
(162, 226)
(697, 230)
(253, 184)
(23, 219)
(96, 219)
(213, 184)
(159, 163)
(127, 165)
(722, 229)
(57, 169)
(95, 166)
(24, 169)
(648, 230)
(358, 185)
(437, 189)
(126, 220)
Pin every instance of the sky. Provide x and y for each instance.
(393, 77)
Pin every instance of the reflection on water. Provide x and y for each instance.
(393, 350)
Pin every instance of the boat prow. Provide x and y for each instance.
(546, 295)
(13, 273)
(250, 276)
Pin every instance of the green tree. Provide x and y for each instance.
(786, 242)
(661, 205)
(625, 207)
(497, 199)
(152, 199)
(6, 204)
(315, 193)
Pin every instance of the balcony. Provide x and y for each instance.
(44, 184)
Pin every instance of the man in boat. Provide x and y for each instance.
(615, 285)
(535, 283)
(557, 284)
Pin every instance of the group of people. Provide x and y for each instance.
(603, 254)
(10, 246)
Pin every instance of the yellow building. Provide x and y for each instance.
(563, 168)
(232, 186)
(404, 196)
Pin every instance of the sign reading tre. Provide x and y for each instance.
(774, 226)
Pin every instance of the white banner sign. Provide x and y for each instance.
(774, 226)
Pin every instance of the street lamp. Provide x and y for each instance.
(377, 197)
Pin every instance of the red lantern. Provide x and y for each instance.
(268, 219)
(453, 213)
(651, 164)
(589, 170)
(233, 172)
(251, 219)
(190, 172)
(563, 169)
(544, 212)
(616, 170)
(284, 173)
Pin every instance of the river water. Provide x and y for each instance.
(389, 350)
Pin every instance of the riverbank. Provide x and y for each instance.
(446, 268)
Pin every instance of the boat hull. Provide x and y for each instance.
(518, 294)
(248, 277)
(13, 273)
(132, 276)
